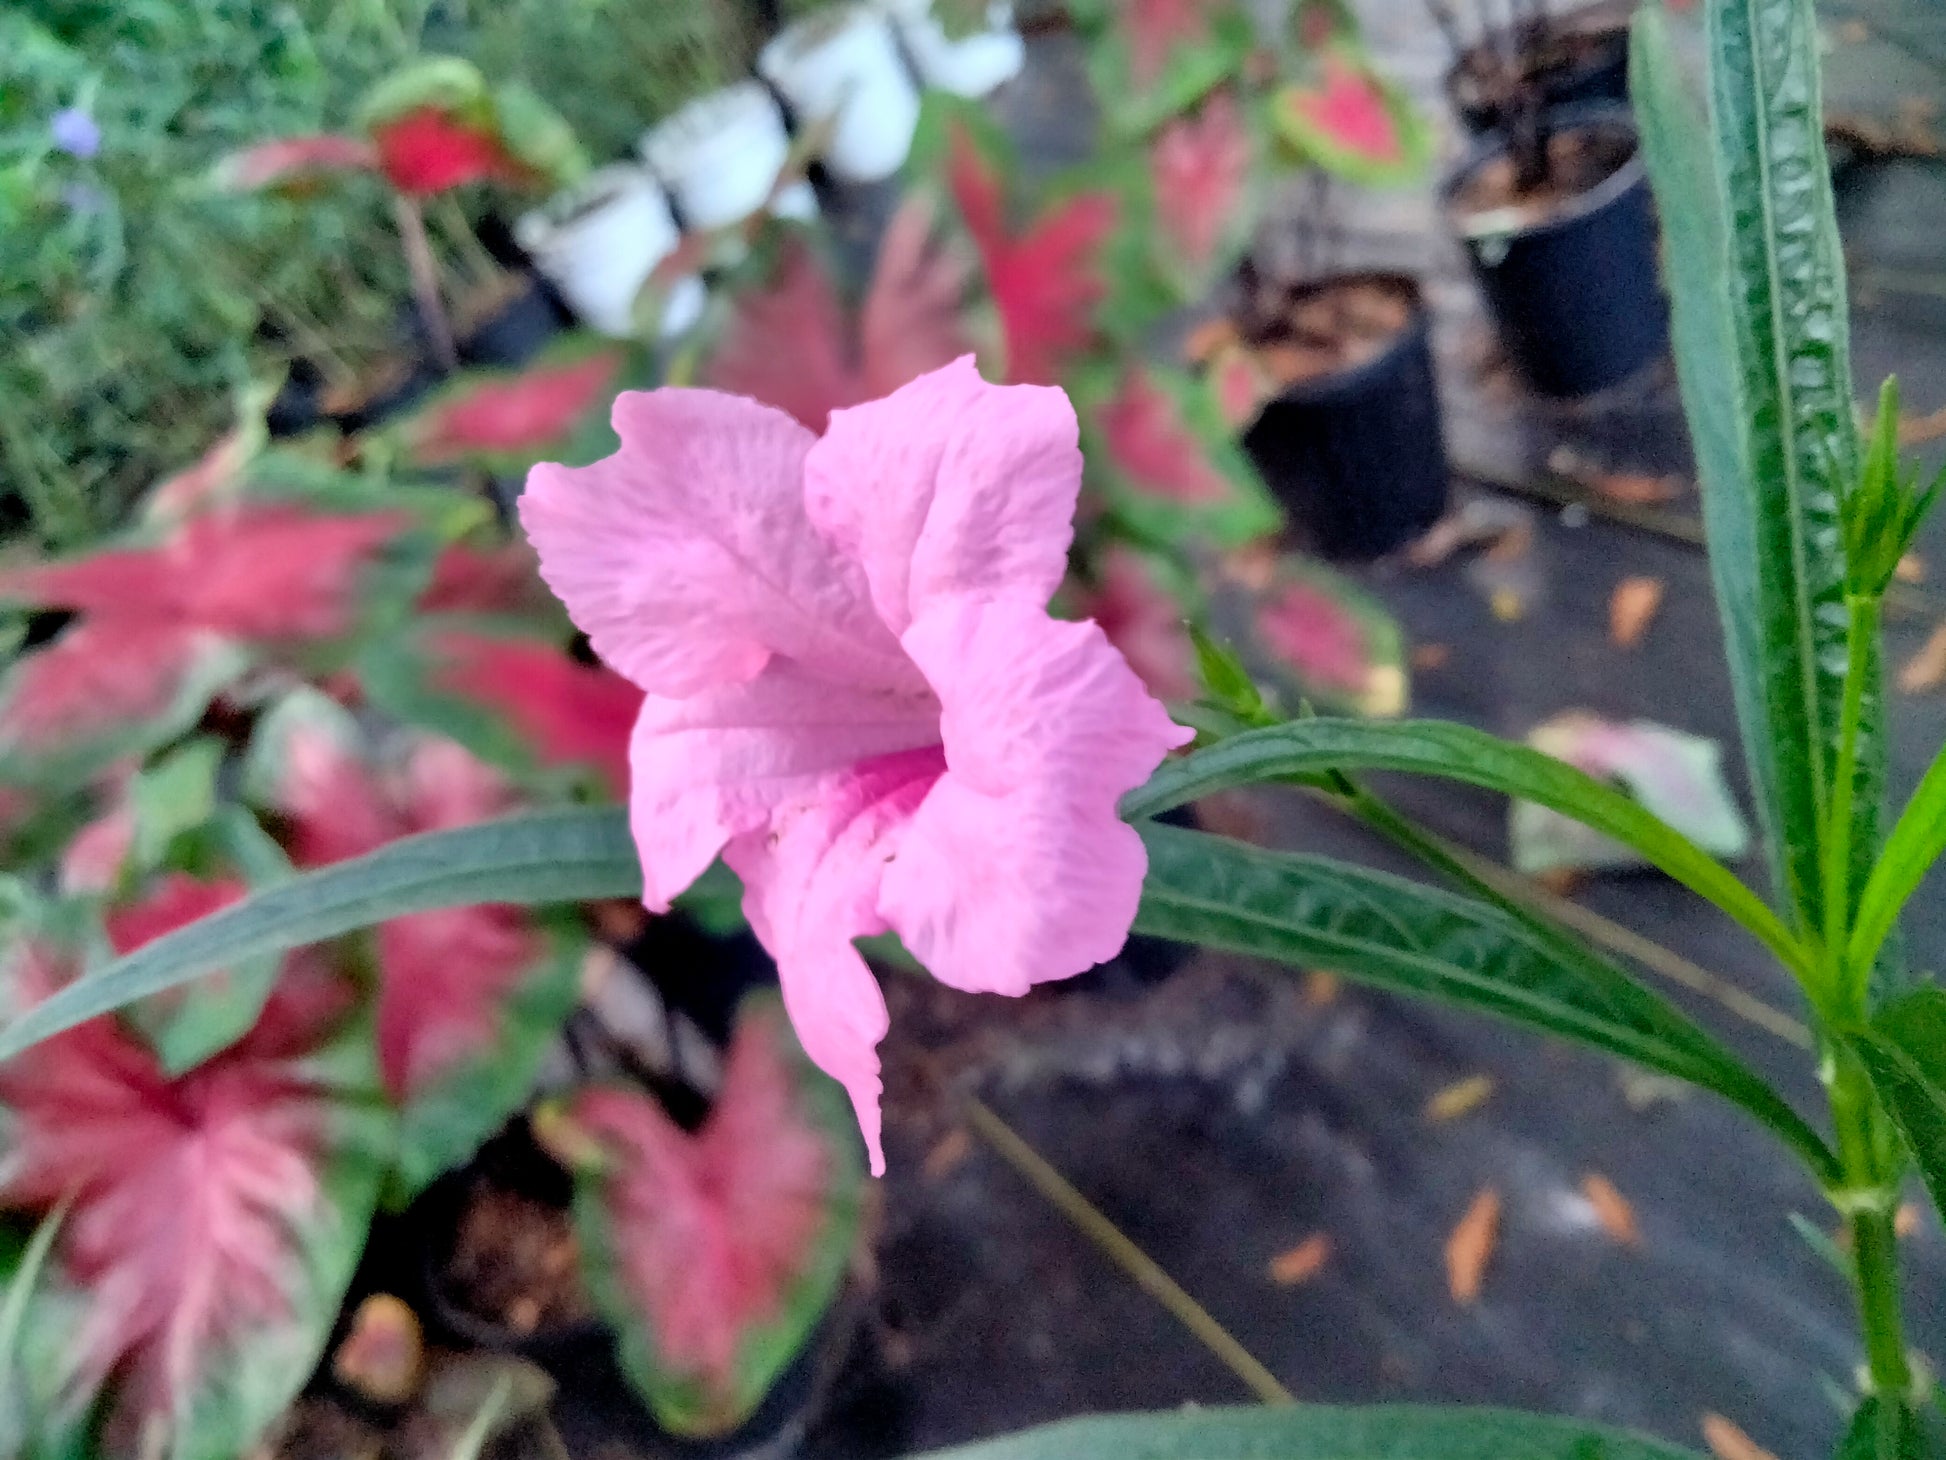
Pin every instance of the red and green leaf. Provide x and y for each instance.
(437, 125)
(1159, 455)
(508, 420)
(1324, 639)
(514, 699)
(716, 1254)
(910, 323)
(1350, 121)
(1151, 60)
(292, 165)
(467, 997)
(1143, 604)
(1047, 280)
(211, 1220)
(1202, 193)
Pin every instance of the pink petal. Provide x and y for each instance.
(950, 486)
(1017, 870)
(687, 558)
(811, 885)
(707, 769)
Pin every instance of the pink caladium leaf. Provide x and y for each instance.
(1202, 198)
(1676, 775)
(1350, 121)
(508, 420)
(1151, 60)
(292, 164)
(503, 579)
(1325, 639)
(1165, 465)
(716, 1254)
(513, 698)
(467, 996)
(1046, 281)
(910, 322)
(1144, 607)
(161, 627)
(210, 1221)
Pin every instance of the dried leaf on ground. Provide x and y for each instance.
(1321, 989)
(1728, 1442)
(1463, 1097)
(1917, 430)
(1302, 1262)
(1629, 488)
(1431, 656)
(1507, 605)
(1911, 569)
(1504, 528)
(383, 1357)
(1612, 1209)
(1631, 609)
(1905, 1222)
(1470, 1249)
(945, 1157)
(1926, 670)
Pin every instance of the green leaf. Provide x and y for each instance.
(1891, 1429)
(1312, 912)
(1309, 750)
(553, 856)
(1916, 842)
(176, 794)
(1904, 1052)
(1761, 338)
(1319, 1432)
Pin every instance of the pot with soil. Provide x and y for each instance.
(1562, 236)
(842, 70)
(1543, 66)
(598, 244)
(1350, 438)
(721, 155)
(970, 64)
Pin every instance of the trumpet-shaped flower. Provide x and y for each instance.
(854, 690)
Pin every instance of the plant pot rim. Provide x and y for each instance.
(1319, 389)
(1613, 31)
(1475, 227)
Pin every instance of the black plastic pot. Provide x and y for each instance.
(1598, 74)
(1358, 456)
(1576, 295)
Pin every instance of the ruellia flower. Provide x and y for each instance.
(855, 692)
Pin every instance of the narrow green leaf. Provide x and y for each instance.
(1308, 748)
(1319, 1432)
(1916, 842)
(1312, 912)
(552, 856)
(1761, 336)
(1904, 1052)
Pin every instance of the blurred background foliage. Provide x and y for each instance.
(136, 301)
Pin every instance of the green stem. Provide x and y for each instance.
(1861, 637)
(1869, 1199)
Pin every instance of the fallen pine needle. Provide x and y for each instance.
(1303, 1262)
(1926, 669)
(1470, 1248)
(1612, 1209)
(1631, 609)
(1727, 1442)
(954, 1147)
(1463, 1097)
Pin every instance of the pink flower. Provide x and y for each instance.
(855, 692)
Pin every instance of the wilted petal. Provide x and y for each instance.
(950, 486)
(811, 885)
(1016, 869)
(687, 557)
(706, 769)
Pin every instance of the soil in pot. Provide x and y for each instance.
(502, 1266)
(1562, 237)
(1555, 66)
(1351, 440)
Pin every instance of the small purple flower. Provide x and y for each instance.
(75, 132)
